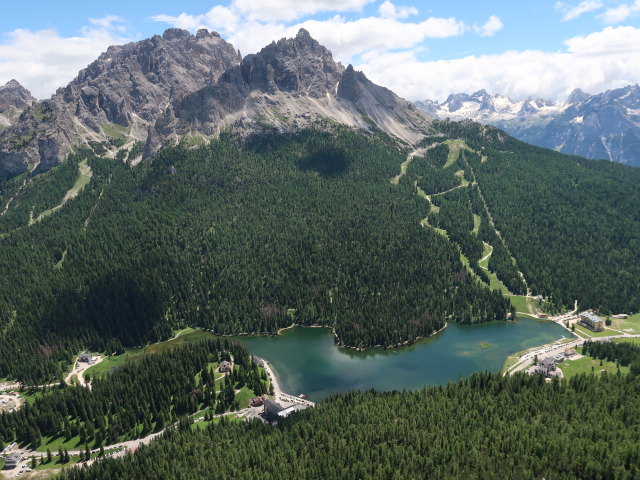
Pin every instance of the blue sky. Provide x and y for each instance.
(421, 49)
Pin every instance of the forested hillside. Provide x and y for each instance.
(485, 427)
(234, 237)
(136, 399)
(572, 225)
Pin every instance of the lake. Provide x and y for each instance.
(307, 361)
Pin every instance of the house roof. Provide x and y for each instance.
(592, 317)
(272, 406)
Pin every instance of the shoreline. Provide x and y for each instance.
(406, 343)
(280, 395)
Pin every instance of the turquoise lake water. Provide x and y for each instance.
(307, 361)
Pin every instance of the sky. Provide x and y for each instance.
(419, 49)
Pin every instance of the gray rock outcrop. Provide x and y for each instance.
(119, 95)
(289, 84)
(160, 90)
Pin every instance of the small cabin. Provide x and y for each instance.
(224, 366)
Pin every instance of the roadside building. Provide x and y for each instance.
(546, 366)
(568, 352)
(12, 461)
(592, 322)
(224, 366)
(85, 358)
(273, 411)
(559, 358)
(257, 401)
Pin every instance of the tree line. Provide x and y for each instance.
(139, 398)
(236, 236)
(486, 426)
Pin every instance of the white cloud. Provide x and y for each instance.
(107, 22)
(42, 60)
(571, 13)
(490, 28)
(596, 62)
(346, 38)
(288, 10)
(254, 11)
(389, 10)
(620, 13)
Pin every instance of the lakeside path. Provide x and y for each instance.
(285, 399)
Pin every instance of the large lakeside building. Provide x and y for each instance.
(592, 322)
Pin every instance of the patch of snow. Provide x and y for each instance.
(575, 120)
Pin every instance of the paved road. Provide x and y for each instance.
(553, 349)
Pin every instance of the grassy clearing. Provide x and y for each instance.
(403, 170)
(484, 260)
(54, 443)
(463, 181)
(524, 304)
(476, 228)
(629, 325)
(192, 140)
(589, 365)
(84, 177)
(454, 151)
(244, 395)
(635, 340)
(58, 265)
(114, 130)
(494, 282)
(229, 418)
(184, 337)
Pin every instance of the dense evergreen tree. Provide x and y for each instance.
(485, 427)
(134, 400)
(234, 237)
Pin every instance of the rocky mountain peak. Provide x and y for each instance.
(577, 96)
(14, 95)
(162, 89)
(298, 64)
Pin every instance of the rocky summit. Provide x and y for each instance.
(14, 98)
(288, 85)
(602, 126)
(184, 88)
(111, 103)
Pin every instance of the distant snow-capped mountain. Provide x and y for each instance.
(606, 125)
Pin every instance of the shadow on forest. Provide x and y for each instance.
(329, 162)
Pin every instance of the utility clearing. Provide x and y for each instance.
(84, 177)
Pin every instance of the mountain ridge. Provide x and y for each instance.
(600, 126)
(159, 90)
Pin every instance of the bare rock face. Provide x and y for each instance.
(159, 90)
(121, 93)
(289, 84)
(297, 65)
(14, 95)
